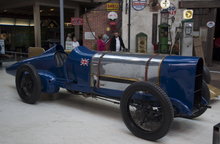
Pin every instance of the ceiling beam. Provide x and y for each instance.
(11, 4)
(85, 1)
(53, 3)
(17, 16)
(89, 1)
(199, 4)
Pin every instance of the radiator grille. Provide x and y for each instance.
(198, 82)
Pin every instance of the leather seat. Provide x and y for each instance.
(60, 58)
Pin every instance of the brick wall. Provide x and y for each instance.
(98, 21)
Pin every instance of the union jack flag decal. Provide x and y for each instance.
(84, 62)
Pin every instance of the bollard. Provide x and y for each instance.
(216, 134)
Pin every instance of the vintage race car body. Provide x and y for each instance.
(108, 74)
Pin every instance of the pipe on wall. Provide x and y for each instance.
(129, 24)
(154, 3)
(61, 23)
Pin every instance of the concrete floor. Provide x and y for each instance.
(71, 119)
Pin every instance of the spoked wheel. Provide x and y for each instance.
(28, 83)
(146, 110)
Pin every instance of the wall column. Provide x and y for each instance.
(76, 14)
(37, 28)
(61, 23)
(211, 34)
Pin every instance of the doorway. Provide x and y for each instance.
(216, 50)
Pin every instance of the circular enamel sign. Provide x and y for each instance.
(112, 15)
(165, 4)
(210, 24)
(108, 29)
(172, 10)
(139, 4)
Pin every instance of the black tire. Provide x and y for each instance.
(28, 83)
(206, 75)
(72, 92)
(206, 96)
(152, 117)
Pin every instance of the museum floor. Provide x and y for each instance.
(70, 119)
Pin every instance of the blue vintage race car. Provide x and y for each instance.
(152, 89)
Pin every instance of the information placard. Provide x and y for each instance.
(76, 21)
(89, 35)
(2, 46)
(69, 45)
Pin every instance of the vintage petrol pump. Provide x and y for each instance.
(186, 42)
(163, 32)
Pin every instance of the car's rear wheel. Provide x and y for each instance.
(28, 83)
(146, 110)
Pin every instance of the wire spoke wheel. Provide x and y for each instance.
(146, 110)
(28, 83)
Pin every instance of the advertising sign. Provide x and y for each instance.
(172, 10)
(108, 29)
(69, 45)
(112, 6)
(2, 46)
(112, 23)
(112, 15)
(141, 43)
(187, 14)
(139, 4)
(210, 24)
(165, 4)
(76, 21)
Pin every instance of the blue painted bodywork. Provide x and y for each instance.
(177, 76)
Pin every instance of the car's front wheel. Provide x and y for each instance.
(146, 110)
(28, 83)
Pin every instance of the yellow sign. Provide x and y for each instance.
(112, 6)
(51, 25)
(142, 44)
(108, 29)
(187, 14)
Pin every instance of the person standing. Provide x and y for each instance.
(100, 43)
(69, 37)
(75, 43)
(116, 42)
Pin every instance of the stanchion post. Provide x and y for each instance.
(216, 134)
